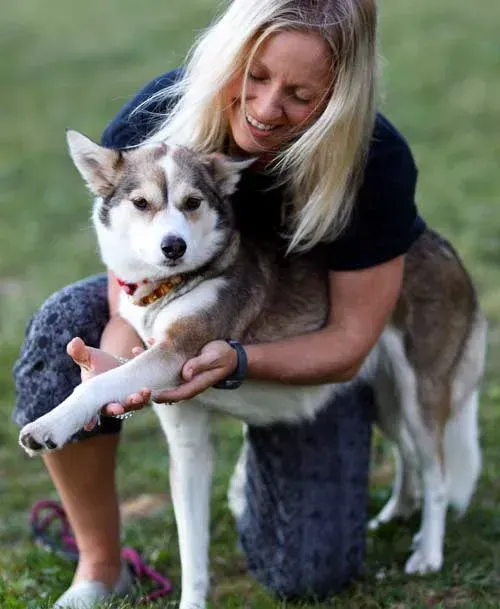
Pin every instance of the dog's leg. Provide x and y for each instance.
(426, 436)
(187, 428)
(155, 368)
(236, 492)
(406, 492)
(428, 554)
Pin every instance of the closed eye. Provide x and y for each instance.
(301, 100)
(256, 78)
(191, 203)
(140, 204)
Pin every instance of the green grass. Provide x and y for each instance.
(66, 64)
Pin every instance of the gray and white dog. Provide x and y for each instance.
(164, 222)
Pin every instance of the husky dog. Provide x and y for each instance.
(165, 226)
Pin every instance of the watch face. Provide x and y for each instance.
(228, 384)
(233, 383)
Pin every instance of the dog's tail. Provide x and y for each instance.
(462, 452)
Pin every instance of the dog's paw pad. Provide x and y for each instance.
(35, 446)
(29, 442)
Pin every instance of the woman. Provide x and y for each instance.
(290, 82)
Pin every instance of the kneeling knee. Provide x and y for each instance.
(315, 575)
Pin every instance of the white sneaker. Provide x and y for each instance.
(87, 593)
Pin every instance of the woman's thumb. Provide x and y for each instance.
(79, 352)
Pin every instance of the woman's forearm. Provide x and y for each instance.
(119, 338)
(329, 355)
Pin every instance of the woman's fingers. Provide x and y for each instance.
(189, 390)
(91, 424)
(215, 362)
(135, 401)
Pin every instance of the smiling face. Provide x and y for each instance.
(286, 90)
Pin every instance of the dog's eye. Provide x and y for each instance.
(140, 204)
(191, 203)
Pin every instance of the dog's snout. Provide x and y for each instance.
(173, 247)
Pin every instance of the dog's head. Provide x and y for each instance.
(159, 209)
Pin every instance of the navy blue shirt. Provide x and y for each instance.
(384, 223)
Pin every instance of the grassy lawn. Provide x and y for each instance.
(66, 64)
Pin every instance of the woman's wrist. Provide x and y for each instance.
(239, 372)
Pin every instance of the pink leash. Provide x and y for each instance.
(65, 546)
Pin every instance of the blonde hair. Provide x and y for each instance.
(324, 165)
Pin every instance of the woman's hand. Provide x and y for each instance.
(92, 362)
(216, 360)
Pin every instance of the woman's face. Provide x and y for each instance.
(287, 89)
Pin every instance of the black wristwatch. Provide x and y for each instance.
(234, 380)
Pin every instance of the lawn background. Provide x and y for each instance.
(68, 64)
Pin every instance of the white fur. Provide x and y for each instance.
(236, 491)
(200, 299)
(187, 428)
(134, 250)
(461, 440)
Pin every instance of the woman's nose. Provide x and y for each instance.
(268, 105)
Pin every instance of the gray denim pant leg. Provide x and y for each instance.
(303, 529)
(44, 374)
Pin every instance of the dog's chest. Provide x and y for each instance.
(153, 321)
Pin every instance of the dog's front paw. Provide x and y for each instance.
(36, 439)
(422, 562)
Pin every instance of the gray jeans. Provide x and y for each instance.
(303, 528)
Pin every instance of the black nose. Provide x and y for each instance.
(173, 247)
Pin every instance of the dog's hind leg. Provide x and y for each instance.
(448, 444)
(428, 543)
(406, 491)
(420, 402)
(461, 441)
(187, 428)
(425, 412)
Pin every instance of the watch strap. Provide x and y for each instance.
(234, 380)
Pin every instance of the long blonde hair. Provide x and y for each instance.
(322, 167)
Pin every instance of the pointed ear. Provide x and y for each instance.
(227, 171)
(98, 166)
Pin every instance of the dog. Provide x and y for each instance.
(165, 226)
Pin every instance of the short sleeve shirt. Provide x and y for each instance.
(384, 222)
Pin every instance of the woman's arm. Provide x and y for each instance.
(361, 304)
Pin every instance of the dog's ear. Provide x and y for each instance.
(227, 171)
(97, 165)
